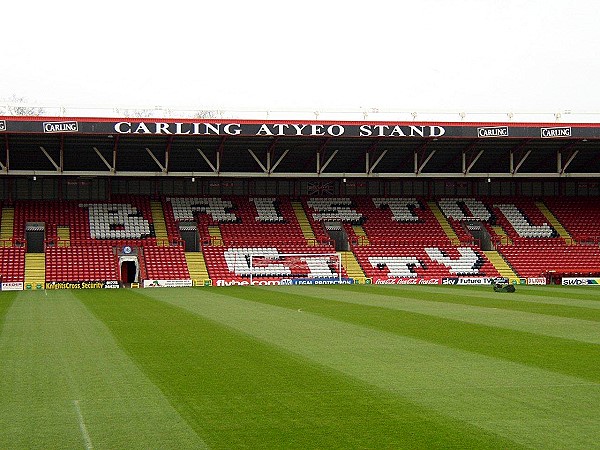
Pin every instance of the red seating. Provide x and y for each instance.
(246, 229)
(538, 257)
(89, 263)
(219, 269)
(12, 264)
(381, 228)
(393, 227)
(526, 206)
(56, 213)
(425, 266)
(166, 263)
(249, 230)
(579, 216)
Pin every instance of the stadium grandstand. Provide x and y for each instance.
(101, 202)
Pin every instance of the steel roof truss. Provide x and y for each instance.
(419, 169)
(514, 169)
(214, 169)
(264, 169)
(281, 158)
(56, 166)
(370, 169)
(160, 166)
(472, 163)
(562, 168)
(5, 167)
(110, 168)
(328, 161)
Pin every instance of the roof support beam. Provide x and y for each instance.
(167, 151)
(110, 168)
(514, 169)
(517, 149)
(468, 165)
(560, 168)
(320, 153)
(272, 169)
(368, 152)
(220, 152)
(214, 169)
(419, 169)
(115, 148)
(370, 169)
(160, 166)
(563, 169)
(405, 175)
(6, 167)
(56, 166)
(472, 163)
(3, 167)
(62, 152)
(328, 161)
(264, 169)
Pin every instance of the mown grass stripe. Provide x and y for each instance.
(554, 292)
(554, 326)
(6, 300)
(237, 391)
(55, 352)
(569, 357)
(477, 296)
(535, 407)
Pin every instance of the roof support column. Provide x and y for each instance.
(560, 167)
(111, 169)
(56, 166)
(281, 158)
(4, 167)
(167, 151)
(160, 166)
(258, 161)
(320, 156)
(422, 149)
(115, 147)
(210, 164)
(514, 169)
(62, 152)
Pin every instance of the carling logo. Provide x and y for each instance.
(484, 132)
(556, 132)
(61, 127)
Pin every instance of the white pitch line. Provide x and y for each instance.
(82, 427)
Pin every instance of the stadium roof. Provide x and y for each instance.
(296, 149)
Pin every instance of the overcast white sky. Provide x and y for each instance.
(433, 55)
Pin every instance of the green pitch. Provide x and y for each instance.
(301, 367)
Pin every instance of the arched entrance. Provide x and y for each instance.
(129, 269)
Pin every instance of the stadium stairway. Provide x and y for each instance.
(353, 269)
(502, 234)
(307, 230)
(7, 223)
(361, 234)
(435, 209)
(64, 235)
(35, 270)
(553, 221)
(158, 219)
(500, 264)
(197, 268)
(215, 235)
